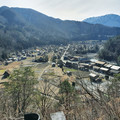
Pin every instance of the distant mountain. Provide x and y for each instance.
(22, 28)
(111, 20)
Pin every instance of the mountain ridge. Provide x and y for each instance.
(110, 20)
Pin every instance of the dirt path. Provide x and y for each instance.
(43, 72)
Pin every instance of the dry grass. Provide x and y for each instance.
(11, 66)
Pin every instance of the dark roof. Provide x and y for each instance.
(7, 71)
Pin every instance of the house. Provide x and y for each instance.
(100, 63)
(69, 73)
(114, 70)
(87, 66)
(108, 66)
(81, 67)
(10, 59)
(68, 64)
(14, 59)
(117, 68)
(75, 58)
(98, 80)
(93, 77)
(84, 59)
(53, 64)
(104, 70)
(23, 57)
(96, 68)
(74, 65)
(91, 65)
(58, 116)
(6, 74)
(8, 62)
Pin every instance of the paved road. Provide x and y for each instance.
(62, 58)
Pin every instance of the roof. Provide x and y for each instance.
(100, 62)
(76, 56)
(93, 60)
(7, 71)
(92, 64)
(115, 67)
(92, 75)
(104, 69)
(85, 64)
(80, 66)
(96, 67)
(58, 116)
(108, 65)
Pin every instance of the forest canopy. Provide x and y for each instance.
(111, 50)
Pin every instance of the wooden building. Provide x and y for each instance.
(104, 70)
(100, 63)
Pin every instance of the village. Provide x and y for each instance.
(77, 62)
(81, 57)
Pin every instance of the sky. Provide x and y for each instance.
(68, 9)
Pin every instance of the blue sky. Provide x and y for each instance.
(68, 9)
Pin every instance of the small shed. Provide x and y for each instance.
(93, 77)
(69, 73)
(53, 64)
(58, 116)
(32, 116)
(6, 74)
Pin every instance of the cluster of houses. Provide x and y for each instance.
(104, 68)
(42, 51)
(23, 55)
(96, 66)
(76, 58)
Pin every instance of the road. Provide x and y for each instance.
(39, 78)
(62, 58)
(42, 82)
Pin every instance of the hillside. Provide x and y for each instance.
(111, 20)
(111, 51)
(21, 28)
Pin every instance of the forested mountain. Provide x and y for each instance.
(111, 20)
(21, 28)
(111, 51)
